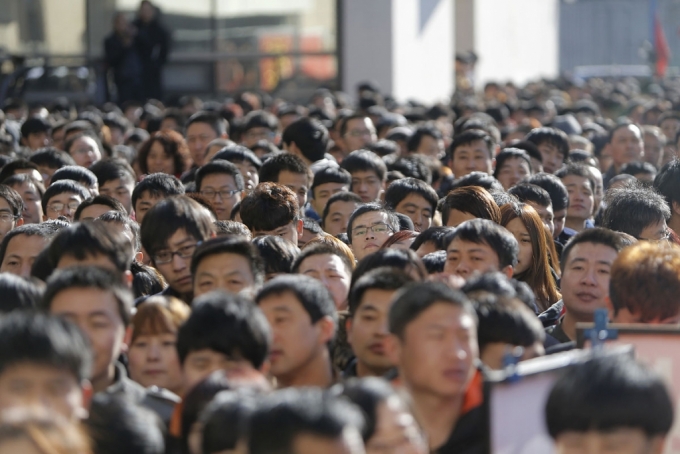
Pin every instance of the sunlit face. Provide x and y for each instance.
(229, 272)
(20, 254)
(626, 145)
(198, 136)
(93, 212)
(553, 159)
(85, 151)
(121, 190)
(332, 272)
(290, 232)
(144, 203)
(521, 234)
(369, 231)
(429, 146)
(367, 185)
(158, 161)
(581, 199)
(466, 259)
(417, 209)
(513, 171)
(338, 216)
(177, 272)
(249, 173)
(472, 157)
(221, 191)
(323, 192)
(64, 204)
(360, 132)
(199, 364)
(153, 361)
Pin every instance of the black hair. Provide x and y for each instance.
(117, 424)
(400, 189)
(631, 209)
(428, 130)
(283, 416)
(225, 420)
(434, 262)
(381, 278)
(552, 136)
(403, 259)
(268, 207)
(527, 192)
(510, 153)
(597, 235)
(234, 245)
(531, 149)
(484, 231)
(273, 166)
(555, 188)
(365, 161)
(51, 157)
(226, 323)
(259, 119)
(112, 169)
(146, 280)
(413, 166)
(309, 135)
(76, 173)
(469, 136)
(157, 185)
(578, 170)
(343, 196)
(481, 179)
(212, 119)
(414, 299)
(311, 293)
(331, 174)
(437, 235)
(101, 199)
(18, 164)
(637, 167)
(37, 338)
(278, 254)
(392, 220)
(405, 222)
(384, 147)
(19, 179)
(230, 228)
(90, 277)
(219, 166)
(13, 199)
(34, 125)
(121, 218)
(667, 182)
(606, 393)
(61, 187)
(170, 215)
(40, 230)
(238, 153)
(18, 293)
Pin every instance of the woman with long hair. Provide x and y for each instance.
(533, 266)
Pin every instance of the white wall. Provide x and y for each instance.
(516, 40)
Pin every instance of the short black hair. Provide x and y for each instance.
(76, 173)
(278, 254)
(33, 337)
(428, 130)
(259, 119)
(434, 262)
(631, 209)
(331, 174)
(400, 189)
(382, 278)
(41, 230)
(555, 188)
(219, 166)
(122, 218)
(238, 153)
(469, 136)
(101, 199)
(527, 192)
(638, 167)
(18, 293)
(531, 149)
(311, 293)
(510, 153)
(484, 231)
(268, 207)
(596, 235)
(309, 135)
(112, 169)
(226, 323)
(273, 166)
(170, 215)
(551, 136)
(13, 199)
(229, 228)
(283, 416)
(606, 393)
(667, 182)
(158, 185)
(392, 220)
(578, 170)
(477, 178)
(61, 187)
(414, 166)
(403, 259)
(225, 420)
(231, 245)
(212, 119)
(34, 125)
(414, 299)
(86, 239)
(51, 157)
(365, 161)
(18, 164)
(436, 235)
(90, 277)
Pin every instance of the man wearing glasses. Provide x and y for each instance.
(221, 183)
(369, 227)
(63, 198)
(638, 211)
(11, 207)
(357, 132)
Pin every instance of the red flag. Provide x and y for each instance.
(663, 52)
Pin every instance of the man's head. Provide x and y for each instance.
(644, 172)
(306, 138)
(581, 189)
(247, 162)
(539, 199)
(21, 247)
(433, 340)
(96, 206)
(153, 189)
(202, 128)
(11, 209)
(45, 361)
(80, 175)
(480, 246)
(637, 211)
(369, 174)
(49, 160)
(231, 264)
(553, 145)
(337, 212)
(62, 199)
(116, 179)
(288, 170)
(625, 144)
(35, 133)
(414, 198)
(272, 209)
(259, 125)
(667, 183)
(224, 332)
(328, 181)
(512, 166)
(468, 202)
(329, 265)
(644, 284)
(559, 197)
(356, 132)
(369, 227)
(221, 183)
(303, 318)
(427, 140)
(31, 192)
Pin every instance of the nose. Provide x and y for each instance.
(463, 269)
(178, 263)
(25, 270)
(589, 277)
(153, 352)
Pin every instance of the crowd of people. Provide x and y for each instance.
(256, 276)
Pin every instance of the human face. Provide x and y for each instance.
(598, 191)
(85, 151)
(20, 254)
(471, 157)
(581, 199)
(306, 237)
(212, 187)
(296, 182)
(249, 173)
(229, 272)
(254, 135)
(546, 215)
(559, 221)
(121, 190)
(367, 331)
(289, 232)
(198, 136)
(417, 209)
(457, 217)
(38, 140)
(653, 149)
(323, 192)
(32, 213)
(29, 385)
(96, 313)
(6, 226)
(670, 128)
(585, 279)
(64, 204)
(332, 272)
(153, 361)
(437, 352)
(395, 430)
(296, 340)
(177, 272)
(429, 146)
(620, 441)
(338, 217)
(655, 232)
(465, 259)
(367, 185)
(360, 132)
(521, 234)
(199, 364)
(94, 211)
(144, 203)
(494, 353)
(626, 145)
(369, 241)
(158, 161)
(552, 158)
(513, 171)
(46, 174)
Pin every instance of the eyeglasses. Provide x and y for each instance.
(380, 227)
(8, 217)
(666, 236)
(224, 194)
(361, 133)
(58, 206)
(166, 256)
(260, 134)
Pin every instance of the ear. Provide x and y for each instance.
(19, 222)
(393, 349)
(300, 227)
(127, 339)
(508, 271)
(139, 256)
(348, 329)
(326, 330)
